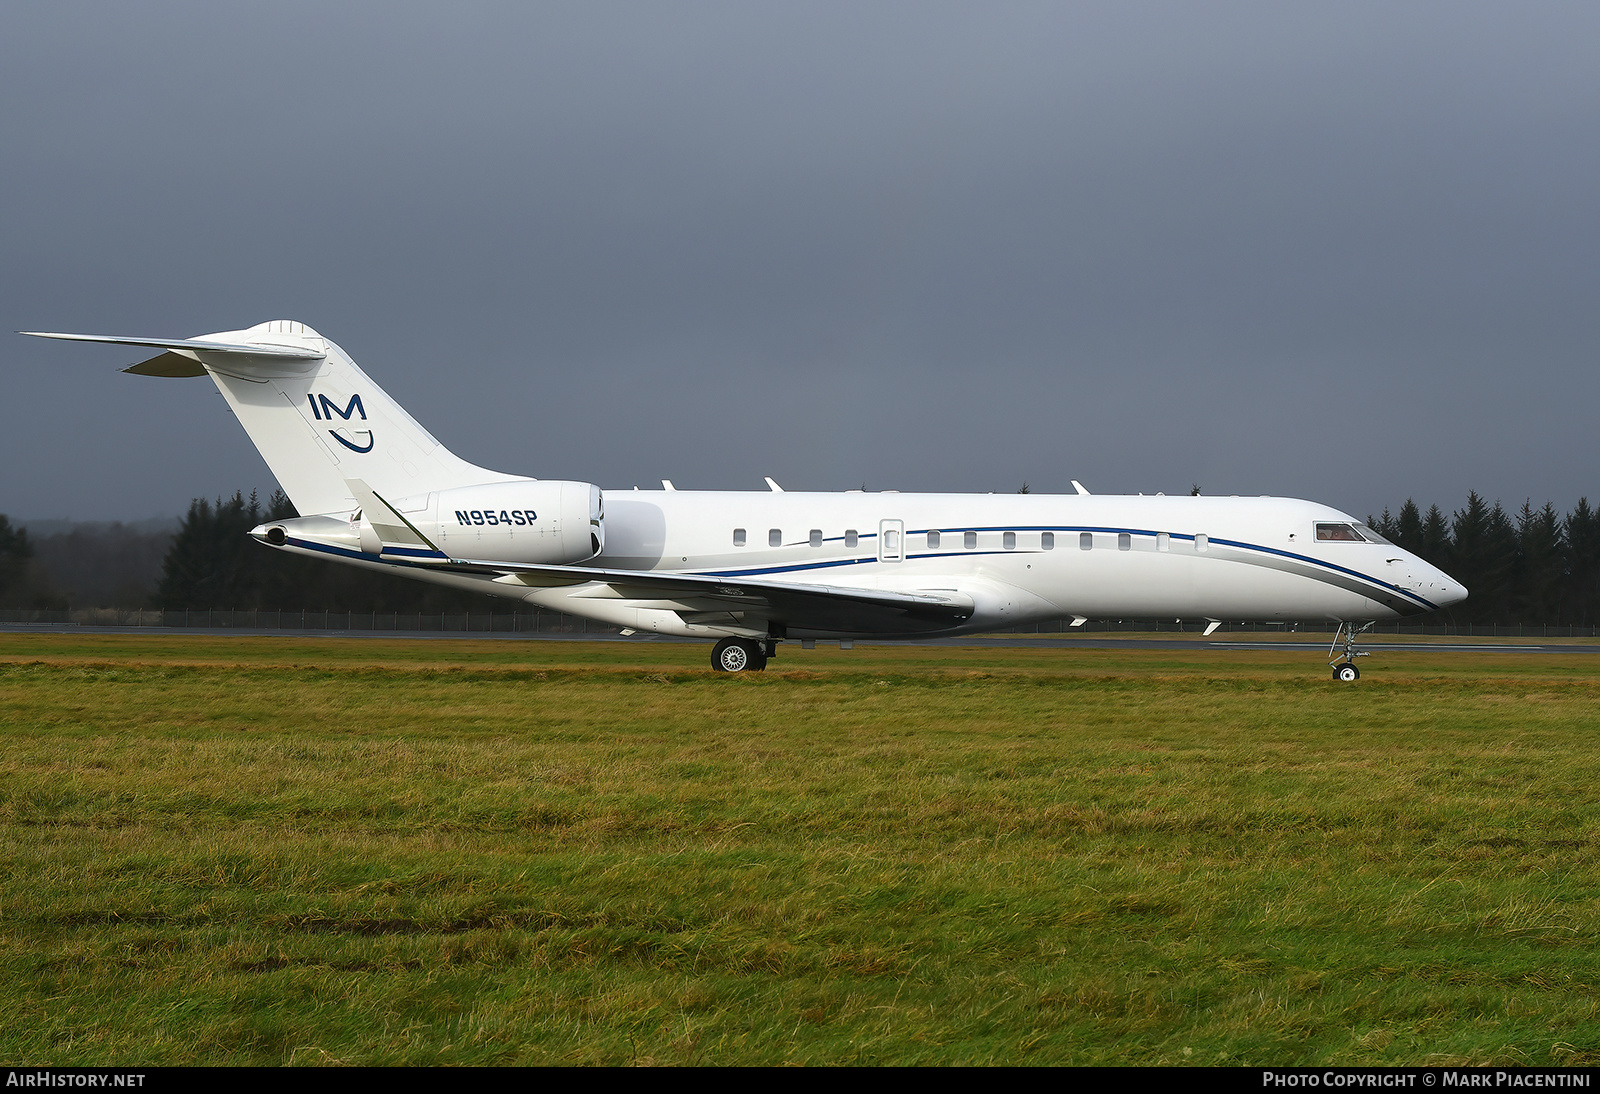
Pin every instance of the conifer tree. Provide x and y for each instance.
(207, 566)
(15, 553)
(1541, 566)
(22, 583)
(1582, 541)
(1408, 528)
(1435, 545)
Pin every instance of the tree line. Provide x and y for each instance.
(1534, 566)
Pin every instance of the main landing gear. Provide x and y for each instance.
(742, 654)
(1344, 664)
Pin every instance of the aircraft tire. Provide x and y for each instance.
(737, 655)
(1346, 673)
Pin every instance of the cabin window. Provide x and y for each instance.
(1047, 541)
(1163, 541)
(933, 541)
(1202, 543)
(1085, 541)
(775, 537)
(1124, 541)
(816, 537)
(738, 537)
(1009, 541)
(851, 537)
(1339, 533)
(969, 540)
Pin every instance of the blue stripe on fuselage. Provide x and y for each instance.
(1423, 602)
(758, 571)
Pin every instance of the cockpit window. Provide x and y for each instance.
(1370, 536)
(1340, 533)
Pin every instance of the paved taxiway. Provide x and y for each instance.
(1035, 641)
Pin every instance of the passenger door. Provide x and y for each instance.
(891, 540)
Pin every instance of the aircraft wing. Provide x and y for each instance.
(714, 600)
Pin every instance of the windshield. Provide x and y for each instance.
(1328, 532)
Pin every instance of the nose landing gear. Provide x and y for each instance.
(1344, 664)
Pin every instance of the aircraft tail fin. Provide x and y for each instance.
(316, 418)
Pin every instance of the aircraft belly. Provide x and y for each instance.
(1256, 592)
(1222, 585)
(1124, 585)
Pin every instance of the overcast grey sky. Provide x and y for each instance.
(1345, 251)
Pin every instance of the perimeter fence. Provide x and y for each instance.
(559, 623)
(537, 622)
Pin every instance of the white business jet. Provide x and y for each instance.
(752, 569)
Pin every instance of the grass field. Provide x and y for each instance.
(317, 851)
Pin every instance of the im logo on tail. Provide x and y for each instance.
(329, 408)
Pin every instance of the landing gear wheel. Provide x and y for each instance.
(1344, 667)
(738, 655)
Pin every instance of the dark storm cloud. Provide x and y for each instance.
(1342, 252)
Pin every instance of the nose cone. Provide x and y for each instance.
(1440, 587)
(1430, 586)
(1451, 592)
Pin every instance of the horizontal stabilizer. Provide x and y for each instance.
(316, 418)
(191, 345)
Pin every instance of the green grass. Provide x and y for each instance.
(287, 850)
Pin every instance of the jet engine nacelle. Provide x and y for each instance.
(533, 520)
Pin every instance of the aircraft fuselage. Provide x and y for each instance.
(1021, 558)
